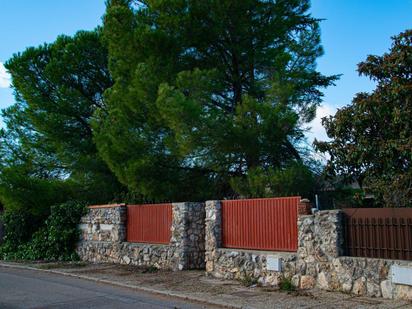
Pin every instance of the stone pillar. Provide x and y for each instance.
(102, 229)
(104, 223)
(213, 232)
(177, 239)
(320, 241)
(188, 229)
(122, 223)
(195, 231)
(321, 235)
(304, 207)
(332, 232)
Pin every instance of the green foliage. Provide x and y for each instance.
(286, 284)
(19, 225)
(344, 196)
(371, 138)
(54, 241)
(150, 270)
(295, 179)
(47, 154)
(247, 280)
(207, 92)
(21, 190)
(62, 230)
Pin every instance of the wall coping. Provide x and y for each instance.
(259, 252)
(106, 206)
(123, 242)
(321, 212)
(147, 243)
(257, 199)
(359, 258)
(328, 211)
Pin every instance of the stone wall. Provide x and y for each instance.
(188, 234)
(104, 223)
(318, 262)
(213, 236)
(103, 239)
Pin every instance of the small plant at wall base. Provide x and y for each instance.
(285, 284)
(54, 241)
(248, 280)
(150, 270)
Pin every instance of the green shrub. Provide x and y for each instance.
(62, 232)
(56, 240)
(19, 226)
(286, 284)
(247, 280)
(151, 269)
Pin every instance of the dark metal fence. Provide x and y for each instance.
(378, 232)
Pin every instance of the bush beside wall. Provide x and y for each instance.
(55, 240)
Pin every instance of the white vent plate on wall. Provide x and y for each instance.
(273, 263)
(401, 275)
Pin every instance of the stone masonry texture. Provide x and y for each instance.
(196, 243)
(103, 239)
(319, 261)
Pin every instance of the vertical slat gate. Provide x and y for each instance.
(260, 224)
(379, 232)
(149, 223)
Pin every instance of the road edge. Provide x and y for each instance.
(129, 286)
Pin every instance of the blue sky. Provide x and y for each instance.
(25, 23)
(352, 30)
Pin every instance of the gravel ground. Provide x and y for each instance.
(196, 284)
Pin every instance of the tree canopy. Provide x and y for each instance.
(169, 100)
(210, 98)
(372, 137)
(47, 149)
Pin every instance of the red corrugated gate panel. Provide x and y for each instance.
(261, 224)
(149, 223)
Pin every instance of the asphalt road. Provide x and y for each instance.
(33, 289)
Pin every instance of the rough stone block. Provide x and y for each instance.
(359, 286)
(307, 282)
(387, 289)
(323, 281)
(403, 292)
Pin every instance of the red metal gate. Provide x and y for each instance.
(261, 224)
(149, 223)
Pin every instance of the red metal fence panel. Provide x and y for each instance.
(149, 223)
(260, 224)
(379, 232)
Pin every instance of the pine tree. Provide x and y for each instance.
(47, 149)
(208, 95)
